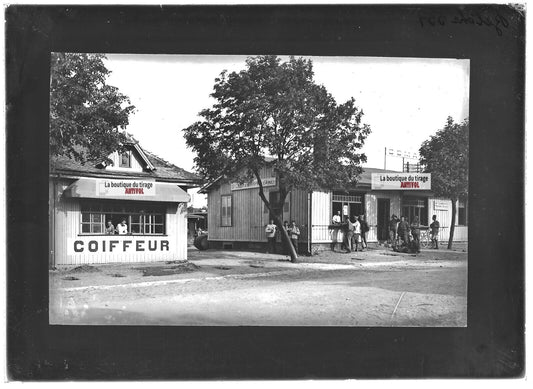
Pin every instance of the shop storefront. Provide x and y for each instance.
(134, 210)
(237, 216)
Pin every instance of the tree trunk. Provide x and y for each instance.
(452, 226)
(277, 219)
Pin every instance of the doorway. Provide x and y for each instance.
(383, 219)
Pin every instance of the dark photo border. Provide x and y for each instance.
(492, 345)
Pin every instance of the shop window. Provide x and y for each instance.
(412, 207)
(462, 213)
(141, 219)
(125, 159)
(226, 211)
(348, 203)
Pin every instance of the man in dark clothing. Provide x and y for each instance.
(403, 230)
(415, 231)
(393, 229)
(364, 230)
(348, 233)
(435, 232)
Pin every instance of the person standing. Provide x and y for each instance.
(122, 227)
(270, 231)
(403, 231)
(435, 232)
(334, 230)
(294, 234)
(348, 234)
(356, 237)
(364, 230)
(393, 229)
(415, 231)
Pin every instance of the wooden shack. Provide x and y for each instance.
(238, 217)
(147, 192)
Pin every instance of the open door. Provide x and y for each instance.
(383, 219)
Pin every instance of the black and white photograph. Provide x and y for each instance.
(258, 190)
(265, 192)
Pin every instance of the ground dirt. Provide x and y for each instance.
(376, 287)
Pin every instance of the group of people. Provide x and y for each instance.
(403, 236)
(121, 229)
(355, 231)
(292, 230)
(406, 237)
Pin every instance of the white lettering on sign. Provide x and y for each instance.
(113, 244)
(134, 188)
(270, 181)
(401, 181)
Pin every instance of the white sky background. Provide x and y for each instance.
(404, 100)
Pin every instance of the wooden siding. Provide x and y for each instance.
(250, 218)
(66, 218)
(298, 212)
(444, 216)
(321, 216)
(249, 214)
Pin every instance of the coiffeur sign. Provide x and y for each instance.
(125, 187)
(401, 181)
(117, 244)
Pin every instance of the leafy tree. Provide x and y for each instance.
(275, 109)
(445, 156)
(86, 114)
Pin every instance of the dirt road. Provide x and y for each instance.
(373, 288)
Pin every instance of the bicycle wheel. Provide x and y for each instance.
(424, 240)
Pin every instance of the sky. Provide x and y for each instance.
(404, 100)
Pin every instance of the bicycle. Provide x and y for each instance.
(425, 238)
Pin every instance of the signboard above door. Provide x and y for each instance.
(401, 181)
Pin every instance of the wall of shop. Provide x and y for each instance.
(371, 210)
(321, 216)
(250, 216)
(443, 209)
(69, 247)
(249, 213)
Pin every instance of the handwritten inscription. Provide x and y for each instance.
(491, 19)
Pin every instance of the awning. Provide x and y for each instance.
(127, 189)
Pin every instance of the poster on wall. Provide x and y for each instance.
(270, 181)
(441, 205)
(401, 181)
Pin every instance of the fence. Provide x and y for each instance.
(323, 233)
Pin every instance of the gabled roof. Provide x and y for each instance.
(155, 168)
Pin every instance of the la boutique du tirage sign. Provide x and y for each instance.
(401, 181)
(135, 188)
